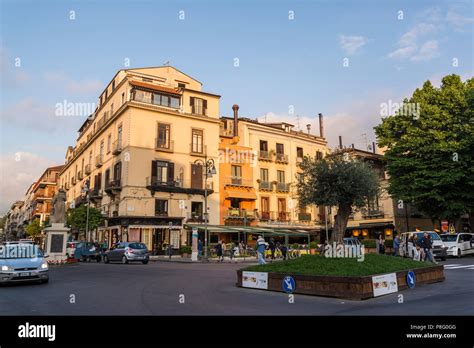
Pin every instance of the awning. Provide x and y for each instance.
(251, 196)
(156, 87)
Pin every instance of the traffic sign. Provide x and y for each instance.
(452, 229)
(288, 284)
(411, 279)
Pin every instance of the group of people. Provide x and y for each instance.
(422, 247)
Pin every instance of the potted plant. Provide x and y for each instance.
(312, 247)
(185, 251)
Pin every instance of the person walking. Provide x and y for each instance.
(261, 246)
(396, 246)
(199, 248)
(223, 249)
(381, 244)
(219, 251)
(417, 253)
(283, 251)
(427, 247)
(272, 247)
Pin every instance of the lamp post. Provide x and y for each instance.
(86, 192)
(210, 170)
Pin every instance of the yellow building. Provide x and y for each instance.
(142, 153)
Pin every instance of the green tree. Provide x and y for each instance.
(34, 228)
(429, 153)
(337, 182)
(77, 218)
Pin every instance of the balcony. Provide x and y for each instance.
(116, 147)
(264, 156)
(196, 150)
(265, 186)
(237, 181)
(195, 217)
(88, 169)
(80, 175)
(112, 186)
(155, 184)
(162, 146)
(240, 214)
(264, 215)
(304, 217)
(281, 158)
(95, 194)
(282, 187)
(99, 161)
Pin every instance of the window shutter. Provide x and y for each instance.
(118, 171)
(204, 106)
(192, 104)
(154, 171)
(170, 178)
(99, 181)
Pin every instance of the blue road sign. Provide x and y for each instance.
(289, 284)
(411, 279)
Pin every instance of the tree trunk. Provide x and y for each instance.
(340, 223)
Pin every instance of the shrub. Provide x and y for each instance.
(313, 245)
(185, 249)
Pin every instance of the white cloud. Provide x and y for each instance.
(351, 44)
(84, 86)
(408, 44)
(17, 173)
(458, 21)
(428, 51)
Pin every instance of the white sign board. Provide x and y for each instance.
(257, 280)
(384, 284)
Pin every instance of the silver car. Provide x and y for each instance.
(22, 262)
(126, 252)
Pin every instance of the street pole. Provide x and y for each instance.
(326, 221)
(206, 258)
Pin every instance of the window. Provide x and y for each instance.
(299, 152)
(109, 140)
(111, 109)
(119, 134)
(101, 148)
(236, 175)
(281, 205)
(263, 145)
(198, 106)
(107, 177)
(106, 94)
(281, 176)
(82, 166)
(113, 85)
(161, 207)
(181, 85)
(123, 97)
(100, 100)
(263, 174)
(90, 157)
(142, 96)
(117, 171)
(162, 173)
(319, 155)
(175, 102)
(280, 149)
(163, 136)
(197, 145)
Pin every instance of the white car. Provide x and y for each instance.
(459, 244)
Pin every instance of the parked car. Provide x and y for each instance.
(406, 245)
(126, 252)
(22, 262)
(459, 244)
(87, 251)
(71, 248)
(351, 241)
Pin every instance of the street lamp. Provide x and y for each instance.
(210, 170)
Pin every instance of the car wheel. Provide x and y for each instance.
(124, 259)
(459, 255)
(106, 259)
(98, 259)
(443, 258)
(45, 281)
(145, 262)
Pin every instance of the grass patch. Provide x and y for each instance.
(318, 265)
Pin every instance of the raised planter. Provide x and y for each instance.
(354, 288)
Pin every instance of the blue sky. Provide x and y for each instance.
(283, 62)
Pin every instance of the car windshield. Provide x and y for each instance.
(20, 251)
(449, 237)
(137, 246)
(433, 235)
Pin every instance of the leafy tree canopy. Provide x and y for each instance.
(77, 218)
(429, 153)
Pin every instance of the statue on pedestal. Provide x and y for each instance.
(58, 211)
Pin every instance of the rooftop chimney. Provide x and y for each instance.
(321, 126)
(340, 142)
(373, 146)
(235, 107)
(308, 127)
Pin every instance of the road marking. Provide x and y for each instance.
(459, 266)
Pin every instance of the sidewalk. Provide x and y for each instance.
(178, 258)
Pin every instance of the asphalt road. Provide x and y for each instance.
(209, 289)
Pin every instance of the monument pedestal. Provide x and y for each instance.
(56, 241)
